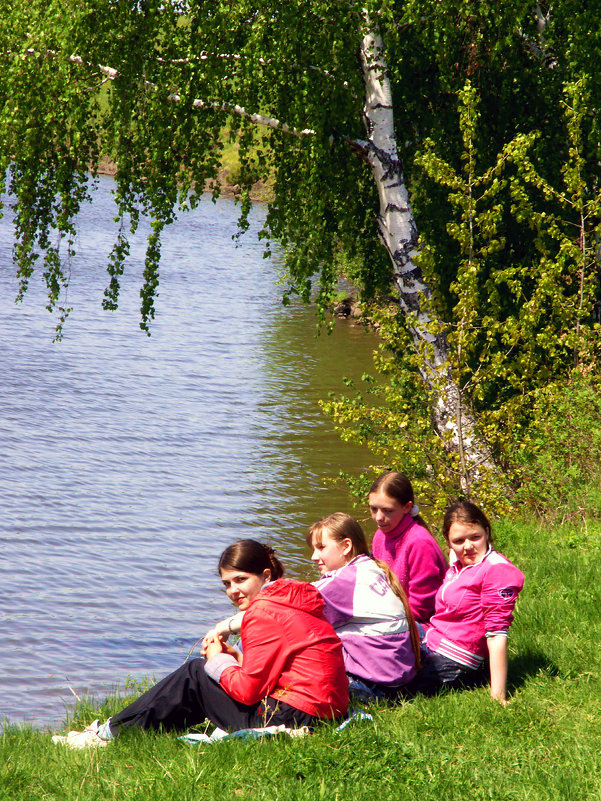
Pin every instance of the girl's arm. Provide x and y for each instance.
(223, 629)
(500, 589)
(497, 657)
(215, 646)
(265, 654)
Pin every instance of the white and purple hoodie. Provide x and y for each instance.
(370, 620)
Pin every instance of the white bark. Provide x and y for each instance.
(399, 236)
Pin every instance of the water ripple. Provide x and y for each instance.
(127, 463)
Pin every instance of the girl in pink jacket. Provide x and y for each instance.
(405, 544)
(474, 609)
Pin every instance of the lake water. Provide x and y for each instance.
(128, 463)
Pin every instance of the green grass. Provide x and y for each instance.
(544, 745)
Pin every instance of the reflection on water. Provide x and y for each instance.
(128, 463)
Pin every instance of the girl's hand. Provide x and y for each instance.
(228, 649)
(223, 629)
(214, 646)
(209, 637)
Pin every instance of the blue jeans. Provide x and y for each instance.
(364, 691)
(440, 673)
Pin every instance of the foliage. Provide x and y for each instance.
(155, 85)
(522, 335)
(292, 61)
(456, 746)
(558, 471)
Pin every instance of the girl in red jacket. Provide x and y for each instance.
(474, 609)
(290, 672)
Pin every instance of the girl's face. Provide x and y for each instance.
(241, 588)
(329, 554)
(387, 511)
(469, 542)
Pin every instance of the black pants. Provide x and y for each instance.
(188, 696)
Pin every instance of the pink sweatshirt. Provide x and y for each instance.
(474, 602)
(414, 556)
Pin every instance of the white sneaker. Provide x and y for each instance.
(82, 739)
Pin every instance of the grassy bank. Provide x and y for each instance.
(544, 745)
(228, 177)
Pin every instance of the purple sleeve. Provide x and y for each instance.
(500, 589)
(215, 666)
(337, 592)
(426, 567)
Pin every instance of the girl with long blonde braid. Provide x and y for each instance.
(367, 607)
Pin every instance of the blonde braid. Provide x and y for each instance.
(397, 588)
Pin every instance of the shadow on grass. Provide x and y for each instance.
(527, 665)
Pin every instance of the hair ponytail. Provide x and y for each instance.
(397, 588)
(251, 556)
(276, 567)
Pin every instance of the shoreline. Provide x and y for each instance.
(260, 192)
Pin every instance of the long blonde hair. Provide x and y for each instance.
(340, 526)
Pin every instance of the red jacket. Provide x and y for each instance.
(291, 653)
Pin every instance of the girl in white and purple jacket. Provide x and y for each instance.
(367, 607)
(473, 611)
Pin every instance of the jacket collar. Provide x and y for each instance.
(454, 561)
(400, 528)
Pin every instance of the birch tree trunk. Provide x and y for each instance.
(398, 233)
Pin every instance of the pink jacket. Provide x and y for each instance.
(474, 602)
(415, 557)
(291, 653)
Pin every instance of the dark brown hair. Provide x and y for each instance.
(465, 512)
(340, 526)
(397, 486)
(251, 556)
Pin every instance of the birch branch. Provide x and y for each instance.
(204, 56)
(259, 119)
(539, 51)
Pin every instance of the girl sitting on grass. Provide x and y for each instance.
(365, 604)
(405, 544)
(291, 671)
(367, 607)
(474, 609)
